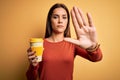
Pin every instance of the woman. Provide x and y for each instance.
(59, 49)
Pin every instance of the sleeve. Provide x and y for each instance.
(92, 56)
(32, 72)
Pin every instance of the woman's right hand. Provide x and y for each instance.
(32, 58)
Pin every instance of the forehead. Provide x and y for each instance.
(59, 11)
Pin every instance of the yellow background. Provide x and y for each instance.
(23, 19)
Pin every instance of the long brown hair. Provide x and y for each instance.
(48, 32)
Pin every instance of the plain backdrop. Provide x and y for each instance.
(22, 19)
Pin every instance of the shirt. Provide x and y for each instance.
(58, 61)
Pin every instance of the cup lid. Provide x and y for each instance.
(36, 40)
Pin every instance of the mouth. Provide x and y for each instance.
(60, 26)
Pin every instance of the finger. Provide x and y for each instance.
(90, 20)
(82, 16)
(74, 20)
(86, 29)
(75, 23)
(34, 60)
(32, 57)
(31, 53)
(78, 17)
(73, 41)
(29, 50)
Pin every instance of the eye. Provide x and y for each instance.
(55, 16)
(64, 17)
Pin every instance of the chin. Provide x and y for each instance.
(59, 31)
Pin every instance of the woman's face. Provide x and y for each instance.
(59, 20)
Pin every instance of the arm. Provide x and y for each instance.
(86, 42)
(92, 56)
(32, 72)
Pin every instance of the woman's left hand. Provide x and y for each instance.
(86, 32)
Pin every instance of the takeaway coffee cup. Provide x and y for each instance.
(36, 45)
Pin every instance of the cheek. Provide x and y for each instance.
(65, 22)
(53, 23)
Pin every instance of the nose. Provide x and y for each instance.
(60, 20)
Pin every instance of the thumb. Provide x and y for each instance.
(71, 40)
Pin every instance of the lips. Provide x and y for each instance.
(60, 26)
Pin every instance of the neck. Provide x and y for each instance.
(57, 37)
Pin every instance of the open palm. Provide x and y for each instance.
(85, 31)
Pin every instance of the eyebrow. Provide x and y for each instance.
(58, 14)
